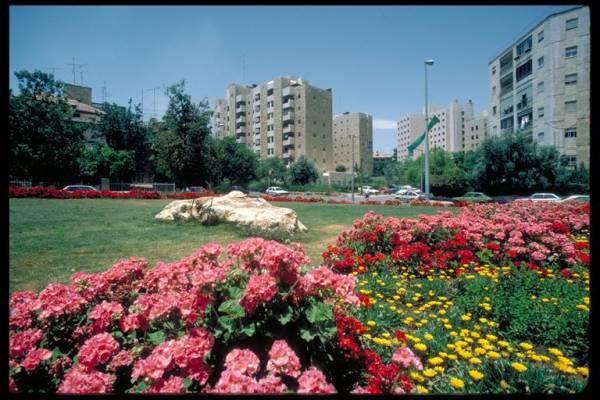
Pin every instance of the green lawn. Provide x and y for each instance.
(51, 239)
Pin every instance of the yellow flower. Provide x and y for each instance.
(428, 336)
(503, 343)
(564, 360)
(367, 335)
(519, 367)
(491, 338)
(503, 384)
(422, 389)
(430, 373)
(383, 342)
(436, 360)
(416, 376)
(371, 323)
(465, 317)
(420, 347)
(452, 357)
(479, 351)
(385, 335)
(457, 383)
(493, 355)
(555, 351)
(474, 360)
(476, 375)
(583, 371)
(525, 346)
(439, 369)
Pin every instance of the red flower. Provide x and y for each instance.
(401, 336)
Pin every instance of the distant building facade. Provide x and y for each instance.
(80, 98)
(285, 117)
(353, 131)
(540, 85)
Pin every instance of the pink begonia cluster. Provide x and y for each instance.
(238, 378)
(259, 289)
(404, 357)
(131, 298)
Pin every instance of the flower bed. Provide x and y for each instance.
(252, 319)
(49, 193)
(493, 300)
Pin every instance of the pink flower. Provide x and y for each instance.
(22, 306)
(123, 358)
(12, 386)
(156, 305)
(283, 360)
(174, 384)
(313, 381)
(57, 300)
(232, 381)
(21, 342)
(242, 360)
(259, 289)
(34, 358)
(157, 363)
(404, 357)
(272, 384)
(78, 380)
(104, 313)
(97, 350)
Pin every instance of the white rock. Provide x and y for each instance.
(237, 208)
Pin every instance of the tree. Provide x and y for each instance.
(379, 165)
(303, 171)
(44, 141)
(392, 172)
(238, 162)
(102, 161)
(340, 168)
(274, 165)
(124, 129)
(180, 141)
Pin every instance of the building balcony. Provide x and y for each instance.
(270, 98)
(256, 126)
(289, 141)
(270, 145)
(240, 109)
(241, 119)
(288, 92)
(288, 128)
(257, 109)
(241, 139)
(289, 153)
(240, 98)
(256, 96)
(240, 130)
(289, 116)
(288, 104)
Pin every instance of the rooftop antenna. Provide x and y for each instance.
(81, 72)
(154, 89)
(73, 65)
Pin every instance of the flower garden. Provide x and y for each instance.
(494, 299)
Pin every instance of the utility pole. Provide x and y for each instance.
(154, 89)
(427, 196)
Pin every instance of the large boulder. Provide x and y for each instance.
(237, 208)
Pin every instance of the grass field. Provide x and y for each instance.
(51, 239)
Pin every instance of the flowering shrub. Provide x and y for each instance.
(49, 193)
(494, 299)
(245, 319)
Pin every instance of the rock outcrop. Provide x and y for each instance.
(236, 208)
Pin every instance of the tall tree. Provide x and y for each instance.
(303, 171)
(238, 162)
(180, 141)
(102, 161)
(44, 141)
(273, 169)
(124, 129)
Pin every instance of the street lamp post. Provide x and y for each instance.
(427, 62)
(352, 169)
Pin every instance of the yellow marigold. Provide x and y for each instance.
(555, 351)
(503, 343)
(428, 336)
(476, 375)
(416, 376)
(465, 317)
(479, 351)
(439, 369)
(422, 389)
(367, 335)
(420, 347)
(447, 326)
(519, 367)
(371, 323)
(503, 384)
(564, 360)
(525, 346)
(493, 355)
(491, 337)
(430, 373)
(383, 342)
(436, 361)
(475, 335)
(583, 371)
(457, 383)
(474, 360)
(452, 357)
(385, 335)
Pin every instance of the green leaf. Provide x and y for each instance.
(319, 313)
(157, 338)
(307, 335)
(286, 316)
(143, 386)
(187, 382)
(249, 330)
(118, 334)
(56, 353)
(226, 323)
(235, 293)
(232, 308)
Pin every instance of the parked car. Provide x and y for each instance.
(476, 197)
(367, 189)
(576, 198)
(239, 189)
(541, 197)
(72, 188)
(408, 195)
(276, 191)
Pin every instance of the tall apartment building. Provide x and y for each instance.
(540, 85)
(285, 117)
(357, 127)
(450, 133)
(475, 131)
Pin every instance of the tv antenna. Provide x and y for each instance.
(74, 66)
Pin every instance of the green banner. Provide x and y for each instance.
(419, 140)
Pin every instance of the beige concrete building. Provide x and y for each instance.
(540, 85)
(409, 127)
(475, 132)
(285, 117)
(357, 127)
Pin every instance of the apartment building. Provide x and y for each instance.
(540, 85)
(353, 132)
(285, 117)
(475, 132)
(450, 133)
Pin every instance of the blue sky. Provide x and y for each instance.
(371, 57)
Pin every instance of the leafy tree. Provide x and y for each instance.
(238, 162)
(340, 168)
(124, 129)
(102, 161)
(392, 172)
(279, 172)
(379, 166)
(44, 141)
(303, 171)
(180, 141)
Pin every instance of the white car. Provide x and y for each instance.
(409, 188)
(541, 197)
(367, 189)
(407, 195)
(276, 191)
(72, 188)
(576, 198)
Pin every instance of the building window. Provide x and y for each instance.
(572, 23)
(493, 90)
(540, 136)
(540, 62)
(540, 112)
(571, 132)
(540, 36)
(540, 87)
(572, 160)
(570, 106)
(570, 79)
(494, 110)
(494, 70)
(571, 52)
(524, 70)
(524, 46)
